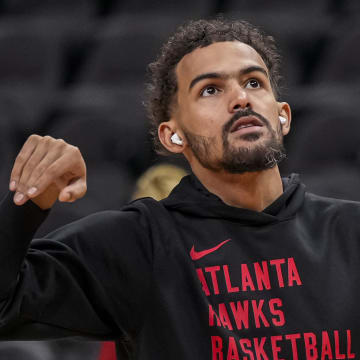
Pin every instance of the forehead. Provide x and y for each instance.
(227, 57)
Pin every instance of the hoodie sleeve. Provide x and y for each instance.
(90, 278)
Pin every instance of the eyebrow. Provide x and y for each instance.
(215, 75)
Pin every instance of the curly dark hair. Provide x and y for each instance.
(162, 86)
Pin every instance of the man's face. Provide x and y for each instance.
(227, 110)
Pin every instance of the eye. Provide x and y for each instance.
(252, 84)
(210, 90)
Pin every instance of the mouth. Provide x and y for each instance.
(246, 124)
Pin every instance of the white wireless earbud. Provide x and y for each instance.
(282, 120)
(175, 139)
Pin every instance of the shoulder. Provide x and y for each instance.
(139, 216)
(129, 220)
(135, 212)
(328, 201)
(331, 206)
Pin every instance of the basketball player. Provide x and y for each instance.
(237, 263)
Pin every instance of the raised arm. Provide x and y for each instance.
(90, 278)
(47, 169)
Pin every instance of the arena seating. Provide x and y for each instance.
(123, 46)
(30, 55)
(341, 61)
(76, 70)
(319, 6)
(83, 8)
(188, 8)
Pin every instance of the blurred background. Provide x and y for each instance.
(75, 69)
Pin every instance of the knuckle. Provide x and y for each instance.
(75, 153)
(61, 144)
(48, 138)
(34, 137)
(75, 149)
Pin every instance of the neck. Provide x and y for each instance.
(253, 190)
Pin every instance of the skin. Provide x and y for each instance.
(48, 169)
(210, 103)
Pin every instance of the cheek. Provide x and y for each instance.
(205, 121)
(270, 111)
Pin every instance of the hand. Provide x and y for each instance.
(47, 169)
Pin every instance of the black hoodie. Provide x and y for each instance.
(190, 277)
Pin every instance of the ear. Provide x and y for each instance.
(165, 131)
(285, 111)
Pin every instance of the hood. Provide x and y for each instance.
(191, 197)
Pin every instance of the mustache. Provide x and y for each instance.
(241, 113)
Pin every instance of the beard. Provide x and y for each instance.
(239, 159)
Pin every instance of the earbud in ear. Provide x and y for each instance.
(282, 120)
(175, 139)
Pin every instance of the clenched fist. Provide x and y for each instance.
(47, 169)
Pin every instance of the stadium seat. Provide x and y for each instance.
(338, 181)
(34, 51)
(22, 114)
(107, 124)
(323, 144)
(188, 8)
(329, 135)
(82, 8)
(300, 37)
(123, 49)
(345, 9)
(319, 6)
(352, 8)
(29, 55)
(341, 60)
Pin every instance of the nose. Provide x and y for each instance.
(239, 99)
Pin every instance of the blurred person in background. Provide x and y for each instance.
(158, 181)
(237, 261)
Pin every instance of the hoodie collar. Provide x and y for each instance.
(191, 197)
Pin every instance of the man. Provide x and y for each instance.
(236, 263)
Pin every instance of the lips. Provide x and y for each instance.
(246, 122)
